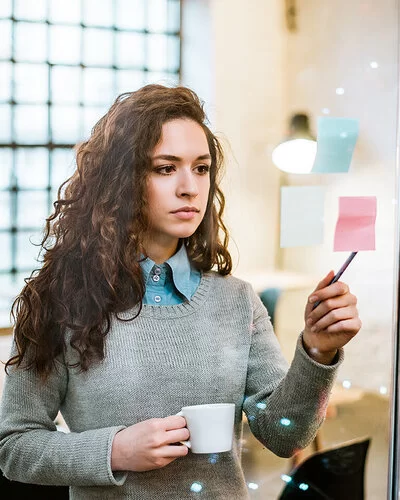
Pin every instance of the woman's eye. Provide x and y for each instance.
(203, 169)
(165, 170)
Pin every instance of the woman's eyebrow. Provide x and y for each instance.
(177, 158)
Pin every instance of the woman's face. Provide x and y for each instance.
(178, 184)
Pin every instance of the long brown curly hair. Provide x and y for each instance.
(93, 240)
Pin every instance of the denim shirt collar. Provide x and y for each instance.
(180, 271)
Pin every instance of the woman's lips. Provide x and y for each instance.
(185, 215)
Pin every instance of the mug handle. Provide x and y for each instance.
(186, 443)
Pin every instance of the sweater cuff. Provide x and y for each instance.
(117, 478)
(337, 361)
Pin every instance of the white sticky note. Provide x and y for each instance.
(302, 216)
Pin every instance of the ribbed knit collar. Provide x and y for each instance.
(203, 292)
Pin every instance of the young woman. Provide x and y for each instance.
(134, 314)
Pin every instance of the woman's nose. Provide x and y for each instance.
(187, 185)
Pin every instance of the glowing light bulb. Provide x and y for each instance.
(285, 421)
(296, 156)
(196, 487)
(286, 478)
(326, 111)
(253, 486)
(340, 91)
(374, 65)
(346, 384)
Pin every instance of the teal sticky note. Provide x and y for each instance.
(336, 140)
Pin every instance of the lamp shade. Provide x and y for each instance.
(296, 154)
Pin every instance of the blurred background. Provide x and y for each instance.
(255, 63)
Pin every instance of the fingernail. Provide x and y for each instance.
(312, 299)
(309, 322)
(314, 329)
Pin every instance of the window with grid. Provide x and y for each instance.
(62, 63)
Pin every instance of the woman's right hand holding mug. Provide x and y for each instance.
(150, 444)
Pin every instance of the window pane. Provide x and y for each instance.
(5, 210)
(130, 49)
(98, 13)
(32, 209)
(157, 52)
(6, 39)
(28, 250)
(173, 53)
(31, 82)
(5, 8)
(61, 11)
(5, 123)
(131, 14)
(66, 124)
(26, 9)
(30, 42)
(5, 167)
(98, 86)
(62, 166)
(31, 165)
(174, 15)
(162, 78)
(62, 37)
(5, 81)
(157, 15)
(93, 39)
(31, 124)
(5, 245)
(65, 84)
(91, 115)
(129, 80)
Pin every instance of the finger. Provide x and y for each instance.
(334, 290)
(174, 422)
(325, 281)
(313, 297)
(330, 304)
(348, 327)
(177, 435)
(335, 316)
(173, 451)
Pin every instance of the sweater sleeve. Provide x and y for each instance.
(284, 405)
(32, 450)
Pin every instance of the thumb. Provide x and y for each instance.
(322, 284)
(325, 281)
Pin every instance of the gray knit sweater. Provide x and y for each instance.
(219, 347)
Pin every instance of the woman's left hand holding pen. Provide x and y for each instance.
(333, 323)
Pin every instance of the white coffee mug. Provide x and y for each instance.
(210, 427)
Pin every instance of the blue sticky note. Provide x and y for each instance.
(302, 216)
(336, 139)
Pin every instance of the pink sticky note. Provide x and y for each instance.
(355, 227)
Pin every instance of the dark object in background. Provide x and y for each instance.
(269, 297)
(336, 474)
(14, 489)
